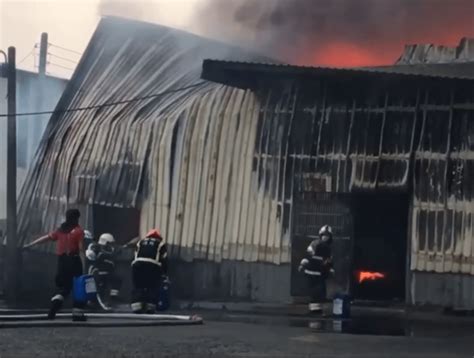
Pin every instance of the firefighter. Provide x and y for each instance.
(69, 239)
(102, 258)
(317, 266)
(149, 265)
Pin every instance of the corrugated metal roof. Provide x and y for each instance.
(429, 53)
(464, 70)
(215, 167)
(234, 72)
(185, 160)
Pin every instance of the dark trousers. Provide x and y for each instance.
(106, 275)
(146, 279)
(69, 267)
(317, 288)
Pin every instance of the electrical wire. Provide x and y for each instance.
(32, 52)
(65, 49)
(62, 58)
(110, 104)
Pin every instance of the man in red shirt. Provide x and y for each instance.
(69, 238)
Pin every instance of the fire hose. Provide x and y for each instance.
(25, 320)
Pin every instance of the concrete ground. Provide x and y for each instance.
(227, 334)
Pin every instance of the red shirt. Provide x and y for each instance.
(68, 243)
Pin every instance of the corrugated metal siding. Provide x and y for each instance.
(186, 159)
(442, 208)
(354, 145)
(311, 210)
(231, 280)
(447, 290)
(215, 168)
(402, 139)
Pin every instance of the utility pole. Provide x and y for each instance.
(12, 268)
(43, 54)
(39, 100)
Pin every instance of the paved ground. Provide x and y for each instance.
(231, 335)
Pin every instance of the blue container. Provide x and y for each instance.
(163, 297)
(341, 306)
(84, 288)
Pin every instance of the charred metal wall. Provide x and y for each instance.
(231, 281)
(185, 160)
(414, 138)
(447, 290)
(216, 168)
(408, 137)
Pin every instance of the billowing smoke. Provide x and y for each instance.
(174, 13)
(140, 10)
(312, 32)
(336, 32)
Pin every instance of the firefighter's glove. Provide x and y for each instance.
(303, 264)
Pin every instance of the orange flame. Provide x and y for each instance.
(367, 275)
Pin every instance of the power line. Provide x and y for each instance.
(65, 49)
(111, 104)
(32, 52)
(62, 58)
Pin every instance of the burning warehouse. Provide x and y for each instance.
(240, 170)
(380, 154)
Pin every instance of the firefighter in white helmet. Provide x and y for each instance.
(101, 256)
(316, 266)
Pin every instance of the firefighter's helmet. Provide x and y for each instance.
(105, 239)
(154, 233)
(325, 230)
(325, 233)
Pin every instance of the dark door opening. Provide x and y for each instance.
(311, 211)
(122, 223)
(380, 244)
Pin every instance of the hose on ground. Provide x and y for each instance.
(97, 320)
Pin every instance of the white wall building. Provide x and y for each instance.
(34, 93)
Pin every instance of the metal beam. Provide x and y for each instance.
(12, 249)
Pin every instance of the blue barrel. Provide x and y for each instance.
(341, 306)
(84, 288)
(163, 297)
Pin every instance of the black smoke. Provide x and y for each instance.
(301, 30)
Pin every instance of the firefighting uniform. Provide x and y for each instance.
(316, 267)
(149, 265)
(104, 263)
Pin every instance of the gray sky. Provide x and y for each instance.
(70, 24)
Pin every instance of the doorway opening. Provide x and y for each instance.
(380, 246)
(122, 223)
